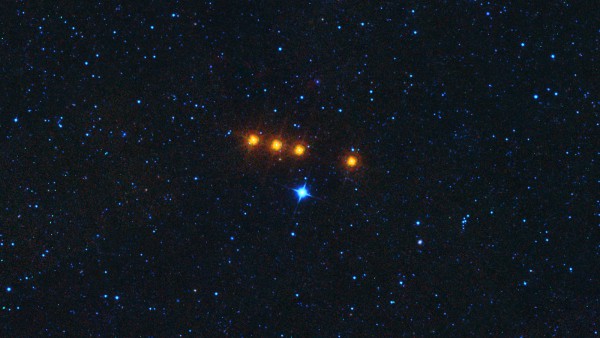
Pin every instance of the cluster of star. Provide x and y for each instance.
(296, 149)
(276, 145)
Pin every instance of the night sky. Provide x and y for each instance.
(133, 204)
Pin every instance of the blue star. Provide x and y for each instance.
(302, 192)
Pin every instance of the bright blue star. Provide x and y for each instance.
(302, 192)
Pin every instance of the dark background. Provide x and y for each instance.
(475, 211)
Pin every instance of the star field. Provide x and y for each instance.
(327, 168)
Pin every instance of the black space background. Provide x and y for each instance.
(177, 209)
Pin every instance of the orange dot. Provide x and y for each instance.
(351, 161)
(299, 150)
(253, 139)
(276, 145)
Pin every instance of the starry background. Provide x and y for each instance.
(131, 206)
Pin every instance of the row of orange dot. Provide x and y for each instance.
(298, 150)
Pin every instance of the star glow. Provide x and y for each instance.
(302, 192)
(253, 139)
(276, 145)
(351, 161)
(299, 150)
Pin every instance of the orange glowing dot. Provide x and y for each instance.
(351, 161)
(276, 145)
(253, 139)
(299, 150)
